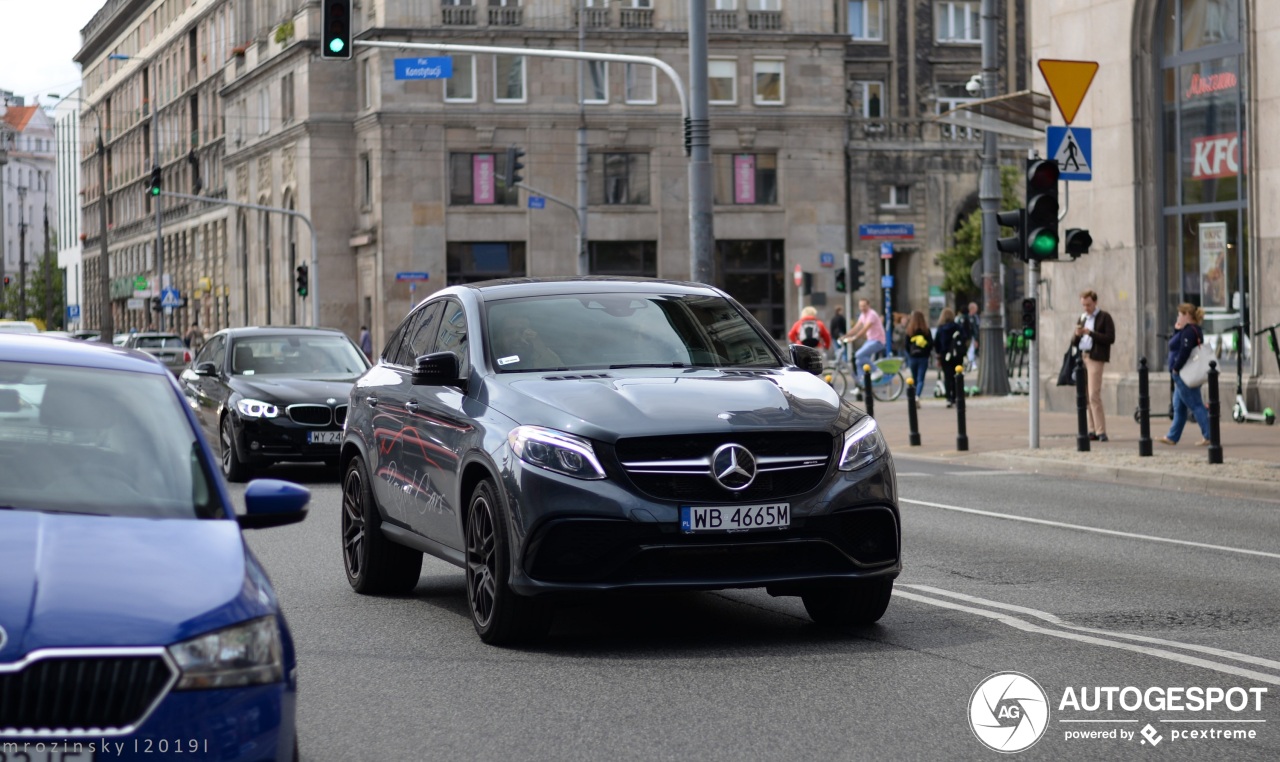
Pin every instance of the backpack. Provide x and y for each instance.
(809, 335)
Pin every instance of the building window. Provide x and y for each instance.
(286, 98)
(870, 97)
(769, 86)
(461, 87)
(958, 21)
(746, 178)
(952, 97)
(366, 181)
(508, 79)
(751, 271)
(722, 81)
(899, 197)
(764, 5)
(625, 258)
(596, 88)
(866, 19)
(642, 85)
(619, 178)
(366, 83)
(264, 111)
(475, 179)
(472, 262)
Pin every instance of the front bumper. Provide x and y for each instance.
(263, 441)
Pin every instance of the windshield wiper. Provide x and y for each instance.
(649, 365)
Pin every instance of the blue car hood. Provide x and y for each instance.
(74, 580)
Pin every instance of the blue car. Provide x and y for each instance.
(134, 621)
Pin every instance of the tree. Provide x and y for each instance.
(966, 247)
(36, 287)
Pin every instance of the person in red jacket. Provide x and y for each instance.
(810, 331)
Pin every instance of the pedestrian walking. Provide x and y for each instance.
(972, 324)
(1095, 333)
(809, 330)
(366, 342)
(948, 344)
(870, 325)
(839, 323)
(919, 343)
(194, 338)
(1186, 338)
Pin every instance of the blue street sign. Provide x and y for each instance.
(435, 67)
(886, 281)
(886, 231)
(170, 297)
(886, 250)
(73, 312)
(537, 202)
(1073, 148)
(827, 259)
(412, 276)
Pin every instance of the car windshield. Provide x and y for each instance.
(159, 342)
(100, 442)
(623, 330)
(321, 355)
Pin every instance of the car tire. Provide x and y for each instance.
(373, 563)
(499, 614)
(855, 603)
(234, 469)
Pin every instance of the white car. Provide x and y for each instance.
(18, 326)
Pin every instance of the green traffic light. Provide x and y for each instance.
(155, 191)
(336, 45)
(1029, 333)
(1044, 244)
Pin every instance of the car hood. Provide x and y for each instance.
(283, 390)
(609, 405)
(73, 580)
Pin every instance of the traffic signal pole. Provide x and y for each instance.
(993, 374)
(1033, 358)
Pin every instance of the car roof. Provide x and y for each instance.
(278, 330)
(155, 334)
(517, 287)
(85, 354)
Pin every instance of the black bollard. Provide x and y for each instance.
(1215, 410)
(1082, 406)
(866, 391)
(912, 418)
(1144, 410)
(962, 436)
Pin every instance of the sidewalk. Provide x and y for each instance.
(998, 438)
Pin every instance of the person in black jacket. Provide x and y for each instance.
(1095, 333)
(919, 343)
(948, 343)
(1185, 339)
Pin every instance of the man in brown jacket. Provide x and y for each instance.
(1095, 333)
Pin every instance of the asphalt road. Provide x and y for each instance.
(1078, 585)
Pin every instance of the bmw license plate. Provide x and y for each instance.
(324, 437)
(734, 518)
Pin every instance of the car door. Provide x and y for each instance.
(201, 390)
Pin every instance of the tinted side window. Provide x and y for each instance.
(419, 334)
(451, 336)
(206, 352)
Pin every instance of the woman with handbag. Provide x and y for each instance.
(1189, 362)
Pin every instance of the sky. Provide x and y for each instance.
(38, 39)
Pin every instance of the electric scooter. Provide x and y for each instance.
(1240, 411)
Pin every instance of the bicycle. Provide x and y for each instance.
(887, 381)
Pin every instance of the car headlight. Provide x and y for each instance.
(863, 444)
(257, 409)
(555, 451)
(247, 654)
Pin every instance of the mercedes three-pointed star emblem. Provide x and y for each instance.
(733, 467)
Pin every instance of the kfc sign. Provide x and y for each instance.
(1215, 156)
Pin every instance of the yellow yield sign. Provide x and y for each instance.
(1068, 82)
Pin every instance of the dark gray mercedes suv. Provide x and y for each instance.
(554, 437)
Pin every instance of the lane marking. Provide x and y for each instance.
(1052, 619)
(1202, 720)
(913, 473)
(1096, 530)
(1097, 720)
(1159, 653)
(987, 473)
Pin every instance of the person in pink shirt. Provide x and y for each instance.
(872, 327)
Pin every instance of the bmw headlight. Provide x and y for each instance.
(257, 409)
(555, 451)
(247, 654)
(863, 444)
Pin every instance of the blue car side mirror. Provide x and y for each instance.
(273, 503)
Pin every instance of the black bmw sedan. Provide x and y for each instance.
(566, 436)
(271, 395)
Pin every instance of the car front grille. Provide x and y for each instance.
(340, 415)
(678, 468)
(310, 415)
(77, 694)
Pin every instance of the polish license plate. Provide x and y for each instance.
(324, 437)
(734, 518)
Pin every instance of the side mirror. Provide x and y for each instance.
(206, 369)
(807, 358)
(436, 369)
(273, 503)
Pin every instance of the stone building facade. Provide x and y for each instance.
(70, 250)
(29, 197)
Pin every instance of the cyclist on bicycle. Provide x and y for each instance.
(872, 327)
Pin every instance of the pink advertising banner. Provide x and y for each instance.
(744, 179)
(482, 180)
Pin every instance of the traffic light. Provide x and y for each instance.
(855, 275)
(154, 187)
(1015, 244)
(335, 24)
(155, 304)
(842, 284)
(6, 281)
(1029, 319)
(1078, 242)
(1042, 209)
(806, 282)
(511, 174)
(303, 276)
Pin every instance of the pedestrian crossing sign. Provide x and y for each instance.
(1072, 148)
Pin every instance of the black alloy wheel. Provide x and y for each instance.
(849, 603)
(373, 563)
(500, 616)
(234, 469)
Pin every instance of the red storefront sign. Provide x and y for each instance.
(1211, 83)
(1215, 156)
(744, 179)
(482, 180)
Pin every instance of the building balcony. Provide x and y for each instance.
(637, 18)
(458, 15)
(764, 21)
(722, 21)
(910, 131)
(506, 16)
(596, 18)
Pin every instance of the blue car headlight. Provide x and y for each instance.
(246, 654)
(555, 451)
(257, 409)
(863, 444)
